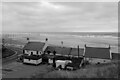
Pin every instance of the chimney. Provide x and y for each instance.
(62, 43)
(28, 39)
(85, 46)
(46, 41)
(78, 51)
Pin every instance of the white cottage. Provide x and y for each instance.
(97, 55)
(32, 52)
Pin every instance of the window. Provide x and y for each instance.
(98, 62)
(40, 52)
(23, 51)
(37, 52)
(31, 53)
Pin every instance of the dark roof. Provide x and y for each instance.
(58, 49)
(37, 46)
(74, 52)
(116, 56)
(95, 52)
(65, 50)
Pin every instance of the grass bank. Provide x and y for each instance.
(105, 71)
(7, 52)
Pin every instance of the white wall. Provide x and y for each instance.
(32, 61)
(96, 60)
(39, 61)
(62, 63)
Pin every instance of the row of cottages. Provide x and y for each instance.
(64, 56)
(37, 52)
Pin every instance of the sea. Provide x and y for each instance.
(70, 39)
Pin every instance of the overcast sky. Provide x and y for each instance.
(60, 16)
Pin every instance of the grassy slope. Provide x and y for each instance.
(91, 71)
(7, 52)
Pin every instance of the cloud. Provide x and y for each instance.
(48, 5)
(59, 16)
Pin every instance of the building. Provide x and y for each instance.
(115, 56)
(59, 50)
(48, 58)
(65, 56)
(32, 52)
(62, 63)
(61, 53)
(75, 64)
(75, 52)
(97, 55)
(76, 60)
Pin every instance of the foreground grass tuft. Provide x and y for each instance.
(107, 71)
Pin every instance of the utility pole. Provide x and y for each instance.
(78, 51)
(70, 52)
(54, 64)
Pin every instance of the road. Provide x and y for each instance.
(12, 58)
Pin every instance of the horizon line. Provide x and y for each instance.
(59, 32)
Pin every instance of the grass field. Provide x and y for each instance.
(93, 71)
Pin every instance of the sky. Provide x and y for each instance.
(47, 16)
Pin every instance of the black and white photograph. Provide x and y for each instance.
(59, 39)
